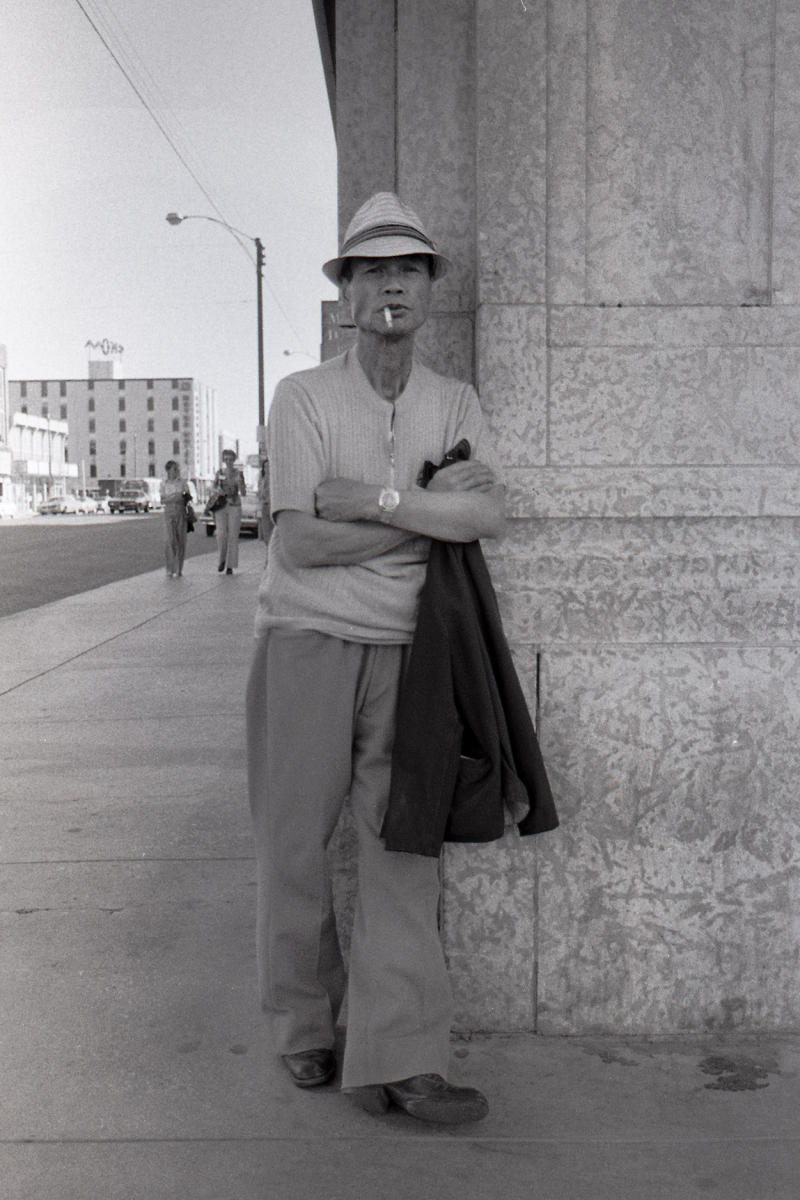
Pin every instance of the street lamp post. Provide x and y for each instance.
(176, 219)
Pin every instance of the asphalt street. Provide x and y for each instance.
(49, 558)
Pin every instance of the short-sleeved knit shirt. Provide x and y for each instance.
(329, 423)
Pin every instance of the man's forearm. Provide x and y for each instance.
(312, 542)
(462, 504)
(450, 516)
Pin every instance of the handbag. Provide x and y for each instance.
(216, 501)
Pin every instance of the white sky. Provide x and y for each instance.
(86, 180)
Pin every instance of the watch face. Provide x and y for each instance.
(388, 500)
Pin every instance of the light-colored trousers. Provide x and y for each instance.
(321, 714)
(174, 536)
(227, 521)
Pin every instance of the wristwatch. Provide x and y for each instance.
(388, 501)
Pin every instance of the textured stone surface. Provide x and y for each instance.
(653, 491)
(617, 181)
(655, 406)
(435, 141)
(660, 151)
(511, 106)
(365, 103)
(669, 897)
(650, 581)
(786, 204)
(446, 342)
(512, 380)
(488, 906)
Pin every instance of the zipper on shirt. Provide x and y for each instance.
(391, 451)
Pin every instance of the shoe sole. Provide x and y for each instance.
(436, 1112)
(317, 1081)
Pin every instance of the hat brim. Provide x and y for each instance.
(387, 247)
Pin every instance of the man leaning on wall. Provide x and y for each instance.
(348, 442)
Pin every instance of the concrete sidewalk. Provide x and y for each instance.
(134, 1061)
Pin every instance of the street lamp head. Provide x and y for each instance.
(174, 218)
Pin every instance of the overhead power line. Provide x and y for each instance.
(143, 99)
(139, 86)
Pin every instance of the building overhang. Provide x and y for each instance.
(325, 17)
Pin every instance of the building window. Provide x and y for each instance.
(93, 470)
(151, 470)
(23, 408)
(150, 404)
(122, 424)
(63, 387)
(151, 448)
(91, 404)
(122, 404)
(176, 446)
(123, 446)
(44, 387)
(92, 448)
(175, 383)
(121, 385)
(151, 425)
(63, 412)
(91, 425)
(149, 383)
(91, 385)
(175, 403)
(176, 425)
(45, 410)
(23, 389)
(122, 470)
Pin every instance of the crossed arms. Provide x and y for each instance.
(461, 503)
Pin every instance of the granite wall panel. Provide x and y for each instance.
(669, 896)
(488, 904)
(436, 138)
(511, 115)
(616, 183)
(365, 103)
(643, 581)
(737, 491)
(446, 343)
(512, 380)
(785, 263)
(636, 406)
(660, 167)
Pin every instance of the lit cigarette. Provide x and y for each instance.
(388, 315)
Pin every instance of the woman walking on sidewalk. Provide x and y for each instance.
(175, 495)
(229, 482)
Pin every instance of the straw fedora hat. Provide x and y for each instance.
(384, 227)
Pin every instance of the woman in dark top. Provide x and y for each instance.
(229, 481)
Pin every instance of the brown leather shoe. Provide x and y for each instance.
(431, 1098)
(310, 1068)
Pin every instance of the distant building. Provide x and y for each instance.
(7, 506)
(126, 428)
(338, 330)
(38, 447)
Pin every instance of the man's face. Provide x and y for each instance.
(401, 284)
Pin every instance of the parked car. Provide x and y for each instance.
(129, 500)
(60, 503)
(89, 503)
(251, 516)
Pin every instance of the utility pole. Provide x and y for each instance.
(260, 307)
